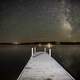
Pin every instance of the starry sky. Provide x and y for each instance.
(39, 20)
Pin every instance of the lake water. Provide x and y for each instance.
(14, 58)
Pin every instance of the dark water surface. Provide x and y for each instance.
(14, 58)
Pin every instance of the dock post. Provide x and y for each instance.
(32, 51)
(49, 51)
(44, 49)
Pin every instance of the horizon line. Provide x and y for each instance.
(42, 43)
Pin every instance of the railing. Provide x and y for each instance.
(34, 51)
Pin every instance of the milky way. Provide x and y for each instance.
(39, 20)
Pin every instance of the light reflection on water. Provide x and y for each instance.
(14, 58)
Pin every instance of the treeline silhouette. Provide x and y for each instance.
(42, 43)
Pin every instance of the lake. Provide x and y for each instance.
(13, 58)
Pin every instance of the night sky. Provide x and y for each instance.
(39, 20)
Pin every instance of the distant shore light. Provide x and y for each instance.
(49, 45)
(40, 45)
(15, 42)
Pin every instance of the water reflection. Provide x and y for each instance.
(14, 58)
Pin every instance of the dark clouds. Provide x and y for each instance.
(39, 20)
